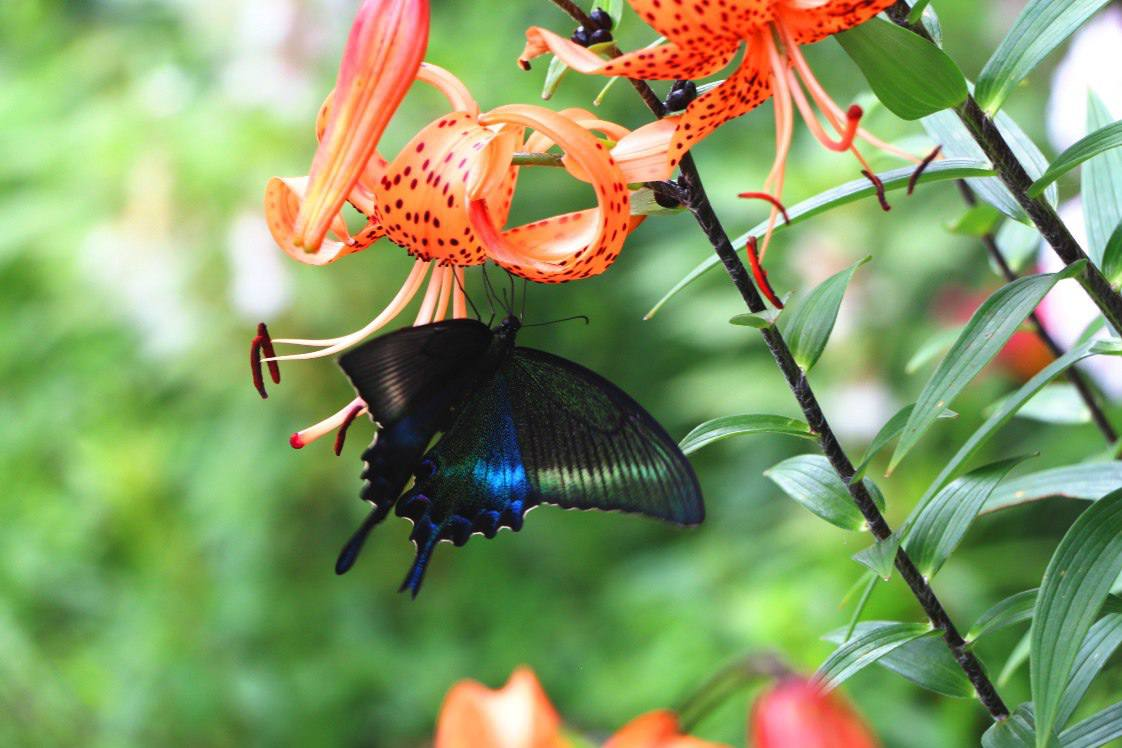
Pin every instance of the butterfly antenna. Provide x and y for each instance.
(349, 554)
(563, 319)
(416, 573)
(459, 281)
(490, 292)
(525, 293)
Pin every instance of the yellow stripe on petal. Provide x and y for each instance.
(382, 57)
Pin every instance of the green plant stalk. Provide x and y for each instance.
(693, 195)
(1012, 173)
(1073, 375)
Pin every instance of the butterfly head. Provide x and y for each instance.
(509, 327)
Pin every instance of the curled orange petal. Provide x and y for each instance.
(705, 23)
(382, 57)
(819, 20)
(518, 715)
(643, 154)
(283, 198)
(590, 250)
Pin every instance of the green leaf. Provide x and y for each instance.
(947, 129)
(1019, 656)
(1017, 243)
(977, 220)
(1098, 729)
(1016, 731)
(925, 661)
(985, 334)
(1099, 141)
(940, 524)
(889, 431)
(758, 320)
(1102, 189)
(932, 348)
(909, 74)
(1075, 585)
(1010, 405)
(880, 556)
(809, 480)
(553, 75)
(1009, 612)
(726, 426)
(870, 582)
(1112, 257)
(834, 198)
(1041, 27)
(1103, 638)
(865, 649)
(808, 328)
(1058, 402)
(1089, 481)
(917, 10)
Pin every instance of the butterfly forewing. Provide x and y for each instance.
(585, 444)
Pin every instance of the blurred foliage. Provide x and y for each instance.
(166, 558)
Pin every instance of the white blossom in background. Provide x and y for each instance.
(1093, 62)
(259, 280)
(139, 266)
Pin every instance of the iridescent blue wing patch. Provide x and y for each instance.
(586, 444)
(472, 481)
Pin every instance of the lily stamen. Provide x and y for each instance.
(913, 180)
(262, 344)
(303, 438)
(760, 274)
(769, 199)
(341, 435)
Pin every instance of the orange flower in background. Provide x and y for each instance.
(797, 712)
(704, 37)
(446, 196)
(519, 715)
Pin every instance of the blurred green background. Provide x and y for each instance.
(166, 558)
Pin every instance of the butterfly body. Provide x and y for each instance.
(517, 427)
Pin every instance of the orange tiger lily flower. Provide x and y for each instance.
(797, 712)
(704, 37)
(519, 715)
(446, 196)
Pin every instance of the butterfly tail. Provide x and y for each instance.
(349, 554)
(425, 545)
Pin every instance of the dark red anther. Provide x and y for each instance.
(341, 434)
(879, 187)
(760, 274)
(769, 199)
(913, 180)
(263, 344)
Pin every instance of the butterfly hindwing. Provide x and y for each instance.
(411, 381)
(472, 481)
(586, 444)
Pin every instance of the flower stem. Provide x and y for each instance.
(1073, 375)
(524, 158)
(698, 202)
(719, 687)
(1012, 173)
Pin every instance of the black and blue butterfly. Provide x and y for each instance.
(517, 427)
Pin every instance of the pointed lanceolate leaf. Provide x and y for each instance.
(1098, 729)
(947, 129)
(910, 75)
(1017, 657)
(1089, 481)
(1041, 27)
(1016, 731)
(808, 328)
(758, 320)
(951, 168)
(1101, 642)
(1017, 243)
(1075, 585)
(865, 649)
(880, 556)
(931, 349)
(1102, 190)
(726, 426)
(889, 431)
(986, 333)
(809, 480)
(1009, 406)
(1112, 257)
(1100, 141)
(939, 526)
(1010, 611)
(925, 661)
